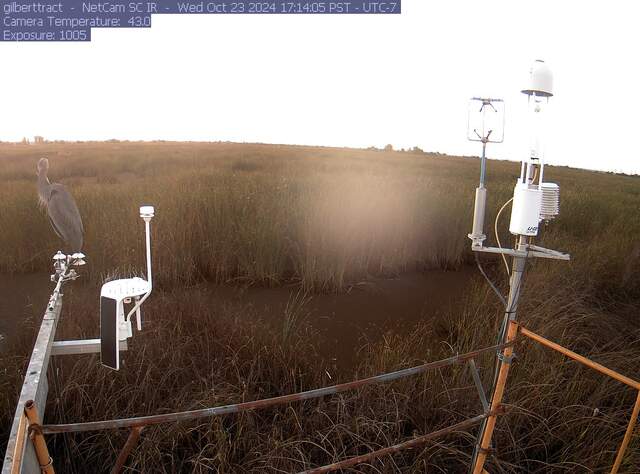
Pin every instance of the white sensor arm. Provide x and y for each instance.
(146, 212)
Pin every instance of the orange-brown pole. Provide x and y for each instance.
(583, 360)
(18, 452)
(496, 401)
(134, 435)
(37, 438)
(486, 431)
(627, 436)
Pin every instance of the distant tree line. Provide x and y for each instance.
(389, 147)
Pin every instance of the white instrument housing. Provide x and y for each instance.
(115, 326)
(525, 212)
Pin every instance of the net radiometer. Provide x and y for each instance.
(115, 326)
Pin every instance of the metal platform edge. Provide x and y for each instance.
(35, 387)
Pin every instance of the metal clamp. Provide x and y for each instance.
(506, 360)
(44, 467)
(34, 429)
(487, 451)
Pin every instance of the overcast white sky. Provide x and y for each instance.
(342, 80)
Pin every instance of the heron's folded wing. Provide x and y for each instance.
(65, 217)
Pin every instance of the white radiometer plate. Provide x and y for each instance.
(486, 120)
(113, 327)
(125, 288)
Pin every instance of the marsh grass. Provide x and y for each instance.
(256, 214)
(324, 219)
(264, 215)
(561, 417)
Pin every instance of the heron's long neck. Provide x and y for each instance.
(44, 192)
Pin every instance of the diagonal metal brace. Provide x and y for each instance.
(476, 379)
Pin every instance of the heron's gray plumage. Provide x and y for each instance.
(61, 208)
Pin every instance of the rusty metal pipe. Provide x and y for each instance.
(264, 403)
(511, 311)
(583, 360)
(603, 370)
(132, 440)
(496, 401)
(397, 447)
(40, 445)
(627, 436)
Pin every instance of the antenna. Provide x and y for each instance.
(533, 201)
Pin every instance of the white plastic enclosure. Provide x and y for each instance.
(525, 213)
(540, 80)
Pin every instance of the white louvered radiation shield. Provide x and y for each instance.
(550, 201)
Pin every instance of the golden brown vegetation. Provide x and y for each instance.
(325, 218)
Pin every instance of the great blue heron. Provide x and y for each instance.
(61, 207)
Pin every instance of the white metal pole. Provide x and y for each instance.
(147, 225)
(147, 230)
